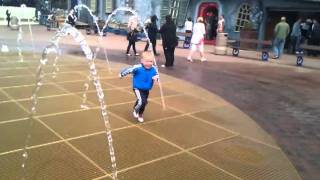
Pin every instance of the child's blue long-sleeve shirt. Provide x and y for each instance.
(142, 77)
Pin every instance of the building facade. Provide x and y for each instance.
(262, 14)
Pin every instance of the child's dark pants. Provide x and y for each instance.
(142, 100)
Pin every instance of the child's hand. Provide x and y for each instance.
(156, 78)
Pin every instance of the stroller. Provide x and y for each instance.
(187, 41)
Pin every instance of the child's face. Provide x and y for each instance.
(147, 63)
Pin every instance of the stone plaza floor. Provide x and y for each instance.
(195, 137)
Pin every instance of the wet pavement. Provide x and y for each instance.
(282, 99)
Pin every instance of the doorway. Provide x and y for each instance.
(209, 12)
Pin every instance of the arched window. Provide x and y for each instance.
(176, 8)
(243, 16)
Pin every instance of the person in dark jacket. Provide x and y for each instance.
(152, 33)
(8, 17)
(315, 36)
(132, 35)
(72, 18)
(169, 40)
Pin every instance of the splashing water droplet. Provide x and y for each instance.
(43, 61)
(25, 155)
(84, 106)
(54, 75)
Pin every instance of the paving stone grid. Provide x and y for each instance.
(193, 138)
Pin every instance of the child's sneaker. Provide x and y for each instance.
(140, 119)
(135, 114)
(128, 54)
(137, 54)
(203, 59)
(189, 59)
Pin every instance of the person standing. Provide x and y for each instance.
(281, 32)
(315, 36)
(188, 30)
(197, 40)
(169, 40)
(132, 35)
(152, 33)
(221, 24)
(295, 36)
(209, 24)
(72, 18)
(8, 17)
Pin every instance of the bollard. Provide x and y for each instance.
(235, 51)
(265, 56)
(299, 57)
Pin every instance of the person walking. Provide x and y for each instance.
(295, 36)
(8, 17)
(152, 33)
(188, 30)
(197, 40)
(281, 32)
(169, 40)
(132, 35)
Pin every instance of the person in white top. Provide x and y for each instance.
(188, 29)
(221, 22)
(188, 24)
(197, 40)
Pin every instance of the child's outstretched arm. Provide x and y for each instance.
(129, 70)
(155, 78)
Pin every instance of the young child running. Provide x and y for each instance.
(144, 74)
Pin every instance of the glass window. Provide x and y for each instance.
(243, 16)
(109, 6)
(93, 5)
(174, 9)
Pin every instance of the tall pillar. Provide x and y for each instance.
(101, 8)
(69, 4)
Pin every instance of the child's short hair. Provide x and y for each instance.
(146, 55)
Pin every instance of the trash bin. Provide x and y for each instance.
(221, 44)
(14, 23)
